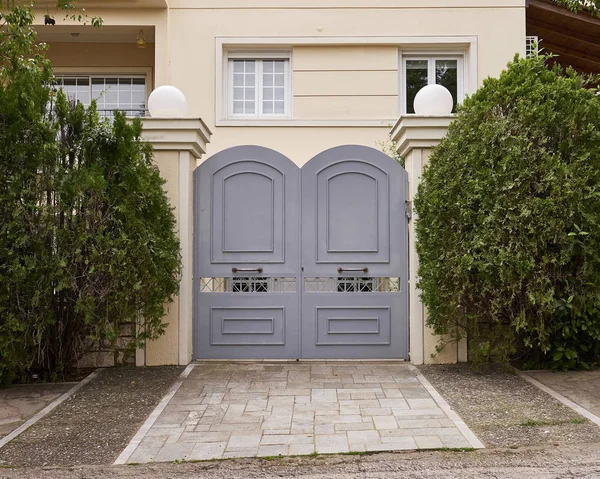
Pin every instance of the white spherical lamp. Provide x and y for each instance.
(167, 102)
(433, 100)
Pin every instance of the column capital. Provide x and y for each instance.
(177, 134)
(415, 131)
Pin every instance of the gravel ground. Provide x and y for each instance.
(95, 424)
(525, 463)
(503, 410)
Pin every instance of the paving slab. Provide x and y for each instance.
(291, 408)
(19, 403)
(581, 387)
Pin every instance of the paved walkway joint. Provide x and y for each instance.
(249, 409)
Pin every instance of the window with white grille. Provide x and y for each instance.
(531, 45)
(258, 88)
(124, 93)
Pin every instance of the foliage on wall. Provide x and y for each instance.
(590, 6)
(87, 237)
(68, 8)
(389, 148)
(509, 220)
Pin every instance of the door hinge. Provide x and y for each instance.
(408, 208)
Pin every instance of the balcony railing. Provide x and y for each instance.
(130, 113)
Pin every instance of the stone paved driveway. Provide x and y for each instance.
(245, 409)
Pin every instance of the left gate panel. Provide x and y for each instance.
(246, 240)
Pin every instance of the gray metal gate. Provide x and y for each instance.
(259, 294)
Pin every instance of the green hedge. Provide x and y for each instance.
(87, 236)
(509, 220)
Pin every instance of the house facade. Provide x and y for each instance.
(294, 78)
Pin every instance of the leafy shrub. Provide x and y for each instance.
(87, 237)
(509, 220)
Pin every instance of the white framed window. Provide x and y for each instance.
(258, 86)
(127, 93)
(419, 71)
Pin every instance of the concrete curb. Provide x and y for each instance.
(451, 413)
(143, 430)
(560, 398)
(57, 402)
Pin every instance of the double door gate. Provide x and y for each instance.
(300, 263)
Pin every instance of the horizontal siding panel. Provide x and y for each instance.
(359, 83)
(347, 58)
(346, 108)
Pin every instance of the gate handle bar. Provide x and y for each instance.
(247, 270)
(353, 270)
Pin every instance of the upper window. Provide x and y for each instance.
(422, 71)
(125, 93)
(258, 88)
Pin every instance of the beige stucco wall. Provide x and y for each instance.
(345, 69)
(165, 349)
(345, 82)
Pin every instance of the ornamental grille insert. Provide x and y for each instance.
(352, 285)
(248, 285)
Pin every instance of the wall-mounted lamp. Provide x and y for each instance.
(141, 40)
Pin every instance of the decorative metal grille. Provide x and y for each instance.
(248, 285)
(352, 285)
(531, 45)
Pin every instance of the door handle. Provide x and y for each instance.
(341, 270)
(258, 270)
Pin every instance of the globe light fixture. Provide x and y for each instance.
(167, 102)
(433, 100)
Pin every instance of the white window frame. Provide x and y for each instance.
(110, 72)
(257, 56)
(431, 58)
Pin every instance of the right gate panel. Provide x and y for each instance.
(354, 256)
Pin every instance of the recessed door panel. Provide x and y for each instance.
(251, 213)
(354, 326)
(350, 219)
(247, 326)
